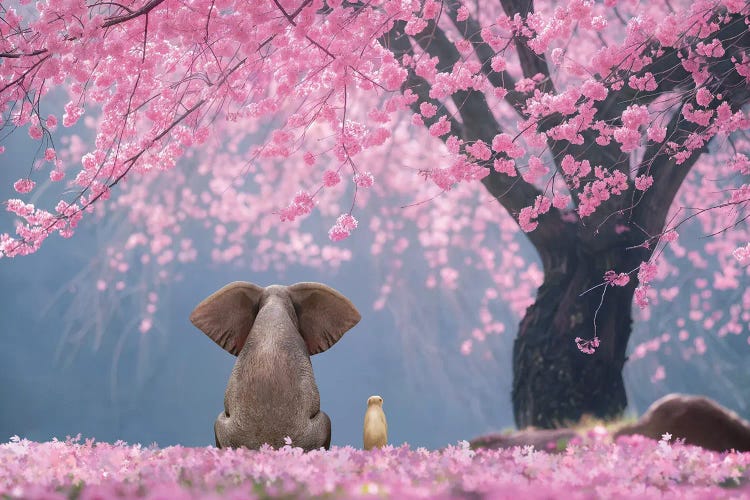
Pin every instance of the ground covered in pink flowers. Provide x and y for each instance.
(634, 467)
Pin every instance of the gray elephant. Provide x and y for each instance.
(273, 331)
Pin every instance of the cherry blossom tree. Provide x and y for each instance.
(596, 130)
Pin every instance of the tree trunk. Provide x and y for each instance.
(554, 383)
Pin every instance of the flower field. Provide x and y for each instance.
(634, 467)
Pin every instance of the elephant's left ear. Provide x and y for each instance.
(227, 315)
(324, 314)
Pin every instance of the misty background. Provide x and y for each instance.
(167, 385)
(73, 360)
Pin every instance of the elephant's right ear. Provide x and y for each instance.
(324, 314)
(227, 315)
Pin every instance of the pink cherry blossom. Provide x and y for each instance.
(503, 143)
(646, 272)
(427, 109)
(364, 179)
(440, 128)
(479, 150)
(331, 178)
(587, 346)
(615, 279)
(24, 185)
(742, 254)
(643, 182)
(641, 296)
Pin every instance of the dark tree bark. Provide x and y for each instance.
(554, 383)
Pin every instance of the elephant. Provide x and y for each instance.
(271, 394)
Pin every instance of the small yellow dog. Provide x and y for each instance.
(376, 427)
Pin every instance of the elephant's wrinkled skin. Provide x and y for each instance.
(271, 392)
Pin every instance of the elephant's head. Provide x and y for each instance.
(272, 393)
(320, 314)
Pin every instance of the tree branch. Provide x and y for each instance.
(650, 213)
(398, 43)
(18, 55)
(478, 120)
(148, 7)
(472, 32)
(513, 193)
(531, 62)
(670, 75)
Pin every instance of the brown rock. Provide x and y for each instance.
(550, 440)
(699, 420)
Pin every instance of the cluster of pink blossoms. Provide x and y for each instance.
(646, 274)
(616, 279)
(344, 226)
(600, 190)
(587, 346)
(742, 254)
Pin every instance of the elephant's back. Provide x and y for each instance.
(273, 382)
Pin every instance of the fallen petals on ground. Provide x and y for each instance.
(632, 467)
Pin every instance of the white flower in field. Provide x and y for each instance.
(665, 450)
(466, 449)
